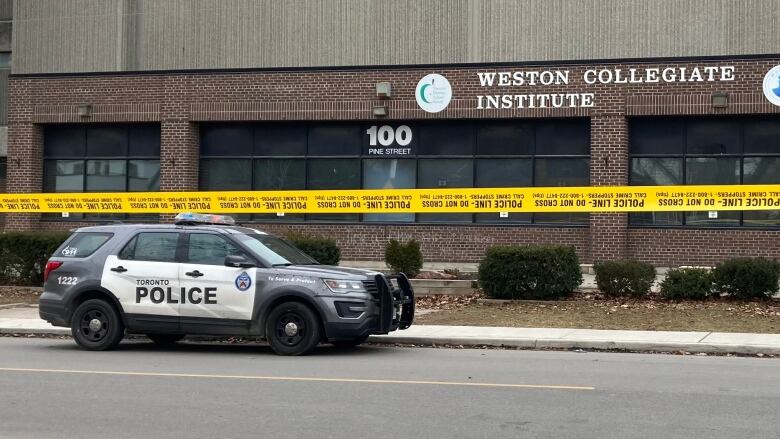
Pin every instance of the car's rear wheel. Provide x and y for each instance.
(292, 329)
(96, 325)
(350, 343)
(165, 339)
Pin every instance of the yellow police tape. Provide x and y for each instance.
(535, 199)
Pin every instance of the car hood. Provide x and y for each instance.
(329, 272)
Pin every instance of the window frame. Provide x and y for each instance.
(127, 158)
(417, 157)
(683, 157)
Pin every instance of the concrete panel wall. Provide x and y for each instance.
(115, 35)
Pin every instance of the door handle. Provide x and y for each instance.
(195, 273)
(119, 269)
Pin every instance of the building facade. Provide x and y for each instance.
(134, 95)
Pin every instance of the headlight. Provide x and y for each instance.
(344, 286)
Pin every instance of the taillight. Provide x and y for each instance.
(50, 266)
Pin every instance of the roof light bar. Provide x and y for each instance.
(189, 218)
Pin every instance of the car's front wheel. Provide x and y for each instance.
(292, 329)
(96, 325)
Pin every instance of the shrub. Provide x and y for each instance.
(23, 255)
(323, 250)
(747, 278)
(687, 283)
(404, 258)
(529, 272)
(624, 278)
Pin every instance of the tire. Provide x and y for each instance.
(350, 343)
(165, 339)
(292, 328)
(96, 326)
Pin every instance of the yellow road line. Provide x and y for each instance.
(306, 379)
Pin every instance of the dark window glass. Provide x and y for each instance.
(279, 174)
(563, 137)
(64, 176)
(389, 174)
(656, 136)
(504, 173)
(505, 138)
(334, 140)
(762, 136)
(226, 140)
(445, 173)
(225, 174)
(712, 171)
(106, 141)
(656, 172)
(106, 175)
(761, 170)
(82, 244)
(209, 249)
(152, 246)
(64, 141)
(447, 139)
(333, 174)
(143, 175)
(550, 172)
(713, 137)
(276, 140)
(144, 141)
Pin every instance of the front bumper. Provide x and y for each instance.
(392, 306)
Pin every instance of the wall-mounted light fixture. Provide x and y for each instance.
(720, 100)
(85, 110)
(380, 110)
(384, 90)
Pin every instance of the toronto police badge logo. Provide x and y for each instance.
(243, 281)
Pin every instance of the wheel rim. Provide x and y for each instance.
(94, 325)
(290, 328)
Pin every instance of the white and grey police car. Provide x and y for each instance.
(206, 276)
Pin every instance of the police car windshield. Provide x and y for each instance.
(275, 251)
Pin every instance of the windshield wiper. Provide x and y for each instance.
(286, 264)
(311, 263)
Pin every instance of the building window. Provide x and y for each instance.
(101, 158)
(704, 151)
(461, 154)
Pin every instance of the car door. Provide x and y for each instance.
(144, 276)
(212, 290)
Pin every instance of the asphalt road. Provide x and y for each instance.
(50, 389)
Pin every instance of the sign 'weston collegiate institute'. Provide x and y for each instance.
(590, 77)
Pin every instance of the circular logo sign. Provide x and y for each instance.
(772, 85)
(433, 93)
(243, 281)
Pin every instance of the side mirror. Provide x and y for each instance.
(238, 261)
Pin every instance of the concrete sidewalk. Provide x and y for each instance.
(24, 320)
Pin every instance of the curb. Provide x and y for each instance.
(532, 343)
(520, 343)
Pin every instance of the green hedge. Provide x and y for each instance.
(624, 278)
(687, 283)
(404, 258)
(23, 255)
(747, 278)
(323, 250)
(529, 272)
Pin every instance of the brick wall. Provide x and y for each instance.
(179, 101)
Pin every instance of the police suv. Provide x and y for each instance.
(206, 276)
